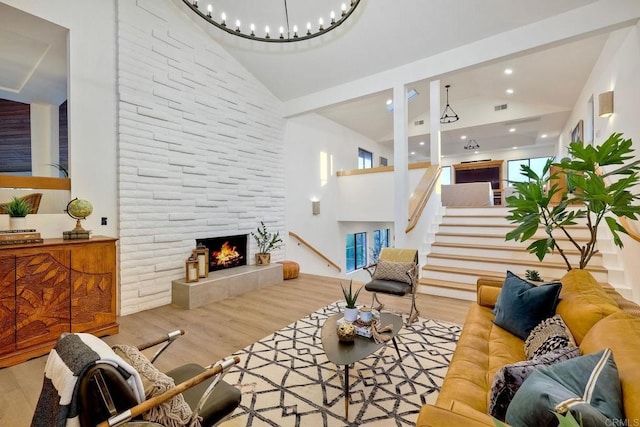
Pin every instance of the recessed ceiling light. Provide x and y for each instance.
(389, 101)
(510, 91)
(413, 153)
(512, 130)
(463, 136)
(544, 135)
(515, 148)
(476, 152)
(508, 71)
(421, 142)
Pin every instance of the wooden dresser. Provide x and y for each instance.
(54, 287)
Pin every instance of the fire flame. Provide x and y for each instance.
(227, 255)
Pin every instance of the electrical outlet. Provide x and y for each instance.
(104, 220)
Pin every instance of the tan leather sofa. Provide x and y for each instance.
(598, 318)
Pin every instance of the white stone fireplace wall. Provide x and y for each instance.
(200, 149)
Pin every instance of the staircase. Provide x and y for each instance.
(470, 242)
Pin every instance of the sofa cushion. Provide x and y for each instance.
(583, 302)
(588, 386)
(509, 378)
(621, 333)
(548, 335)
(396, 271)
(522, 305)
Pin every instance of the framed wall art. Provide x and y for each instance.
(577, 134)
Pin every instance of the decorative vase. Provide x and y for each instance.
(263, 258)
(18, 223)
(350, 314)
(346, 332)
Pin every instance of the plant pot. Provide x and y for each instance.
(18, 223)
(350, 314)
(263, 258)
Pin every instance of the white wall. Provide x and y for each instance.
(308, 136)
(200, 149)
(617, 69)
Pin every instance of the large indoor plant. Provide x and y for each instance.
(266, 241)
(603, 185)
(18, 209)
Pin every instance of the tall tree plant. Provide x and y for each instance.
(603, 183)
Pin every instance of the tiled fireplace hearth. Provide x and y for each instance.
(229, 274)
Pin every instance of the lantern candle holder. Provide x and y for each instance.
(191, 269)
(201, 252)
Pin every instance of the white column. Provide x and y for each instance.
(45, 139)
(434, 122)
(400, 164)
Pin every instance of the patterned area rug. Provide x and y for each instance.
(286, 379)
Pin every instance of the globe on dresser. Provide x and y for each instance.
(79, 209)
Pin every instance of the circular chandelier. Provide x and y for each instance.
(284, 34)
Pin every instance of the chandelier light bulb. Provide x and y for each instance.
(320, 23)
(281, 32)
(332, 15)
(308, 28)
(266, 30)
(209, 10)
(238, 25)
(223, 18)
(195, 4)
(344, 9)
(295, 31)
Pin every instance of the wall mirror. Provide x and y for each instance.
(33, 109)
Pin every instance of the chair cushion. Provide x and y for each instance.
(522, 305)
(588, 386)
(396, 271)
(388, 287)
(222, 401)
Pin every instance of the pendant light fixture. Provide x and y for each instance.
(471, 144)
(448, 115)
(284, 33)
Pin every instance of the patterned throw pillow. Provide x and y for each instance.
(549, 335)
(509, 378)
(396, 271)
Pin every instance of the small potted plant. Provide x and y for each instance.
(533, 275)
(17, 209)
(350, 298)
(266, 242)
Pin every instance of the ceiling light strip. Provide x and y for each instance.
(281, 37)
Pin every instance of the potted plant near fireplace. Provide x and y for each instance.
(266, 242)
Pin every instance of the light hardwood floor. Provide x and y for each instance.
(213, 331)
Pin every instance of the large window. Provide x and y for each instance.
(380, 240)
(365, 159)
(513, 168)
(356, 251)
(445, 175)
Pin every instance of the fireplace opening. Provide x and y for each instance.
(226, 251)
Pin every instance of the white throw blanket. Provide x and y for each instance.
(70, 358)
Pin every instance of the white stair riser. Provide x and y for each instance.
(577, 233)
(451, 277)
(447, 292)
(492, 241)
(501, 267)
(476, 212)
(574, 259)
(471, 220)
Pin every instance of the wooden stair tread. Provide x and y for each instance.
(510, 226)
(466, 271)
(510, 261)
(499, 248)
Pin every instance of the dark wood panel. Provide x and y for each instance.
(93, 300)
(43, 297)
(15, 137)
(7, 304)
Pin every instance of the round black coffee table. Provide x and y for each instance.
(348, 353)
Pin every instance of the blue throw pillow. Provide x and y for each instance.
(588, 386)
(521, 305)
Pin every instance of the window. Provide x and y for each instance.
(380, 240)
(365, 159)
(513, 168)
(356, 251)
(445, 175)
(383, 161)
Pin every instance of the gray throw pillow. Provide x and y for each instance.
(509, 378)
(588, 386)
(549, 335)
